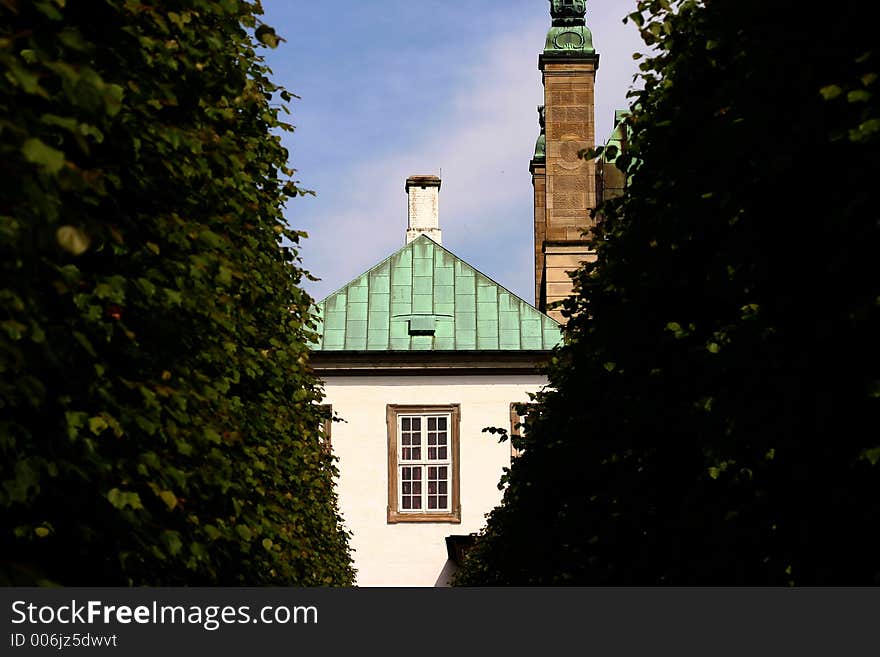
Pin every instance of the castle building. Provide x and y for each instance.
(564, 182)
(422, 352)
(418, 355)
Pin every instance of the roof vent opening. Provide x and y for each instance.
(426, 325)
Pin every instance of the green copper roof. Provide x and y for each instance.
(616, 142)
(425, 298)
(576, 40)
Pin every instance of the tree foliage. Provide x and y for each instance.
(158, 418)
(713, 417)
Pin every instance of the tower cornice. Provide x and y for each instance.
(567, 57)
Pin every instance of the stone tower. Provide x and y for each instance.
(564, 184)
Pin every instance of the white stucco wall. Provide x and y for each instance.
(414, 554)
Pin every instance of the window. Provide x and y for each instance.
(423, 463)
(517, 427)
(326, 427)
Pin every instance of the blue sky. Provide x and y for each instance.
(391, 88)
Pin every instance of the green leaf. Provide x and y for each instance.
(224, 276)
(122, 499)
(637, 18)
(865, 130)
(625, 162)
(87, 130)
(73, 240)
(172, 542)
(169, 498)
(858, 96)
(85, 343)
(51, 160)
(97, 424)
(212, 435)
(266, 35)
(591, 153)
(15, 330)
(750, 310)
(113, 95)
(830, 91)
(75, 421)
(66, 122)
(73, 38)
(175, 297)
(872, 455)
(146, 286)
(25, 481)
(46, 7)
(24, 78)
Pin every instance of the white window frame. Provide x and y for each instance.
(396, 512)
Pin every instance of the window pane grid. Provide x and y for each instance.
(411, 488)
(438, 484)
(425, 479)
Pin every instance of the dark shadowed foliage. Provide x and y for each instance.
(158, 422)
(714, 419)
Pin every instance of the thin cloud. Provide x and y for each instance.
(482, 139)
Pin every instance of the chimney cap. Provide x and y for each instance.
(422, 181)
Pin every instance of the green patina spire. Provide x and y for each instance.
(569, 32)
(541, 144)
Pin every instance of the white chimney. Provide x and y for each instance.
(423, 203)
